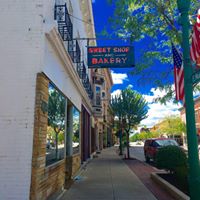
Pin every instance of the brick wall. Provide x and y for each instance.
(45, 180)
(76, 163)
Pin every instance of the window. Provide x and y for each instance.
(166, 142)
(98, 96)
(56, 126)
(103, 94)
(76, 129)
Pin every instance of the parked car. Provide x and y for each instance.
(151, 146)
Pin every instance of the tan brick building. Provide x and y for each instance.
(102, 83)
(197, 114)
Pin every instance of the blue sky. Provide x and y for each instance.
(122, 78)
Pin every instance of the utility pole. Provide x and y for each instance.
(193, 157)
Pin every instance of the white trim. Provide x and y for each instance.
(56, 42)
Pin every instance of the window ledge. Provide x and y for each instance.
(54, 165)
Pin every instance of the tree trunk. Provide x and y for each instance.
(120, 143)
(127, 145)
(57, 146)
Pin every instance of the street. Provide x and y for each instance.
(136, 151)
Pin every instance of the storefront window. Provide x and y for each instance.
(76, 129)
(56, 126)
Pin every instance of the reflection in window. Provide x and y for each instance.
(56, 126)
(76, 128)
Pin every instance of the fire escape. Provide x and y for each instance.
(65, 28)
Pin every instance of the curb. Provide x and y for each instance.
(176, 193)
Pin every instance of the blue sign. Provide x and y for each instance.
(110, 57)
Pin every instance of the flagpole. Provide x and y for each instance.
(193, 157)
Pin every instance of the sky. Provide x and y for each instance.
(122, 77)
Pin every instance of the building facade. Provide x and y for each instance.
(47, 118)
(197, 115)
(102, 83)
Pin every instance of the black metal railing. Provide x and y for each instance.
(81, 69)
(74, 51)
(86, 82)
(65, 26)
(90, 92)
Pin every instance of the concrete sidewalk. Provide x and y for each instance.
(108, 178)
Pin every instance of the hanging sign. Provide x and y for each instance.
(110, 56)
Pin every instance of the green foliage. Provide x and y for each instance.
(56, 110)
(134, 108)
(174, 159)
(75, 138)
(51, 135)
(130, 108)
(144, 136)
(157, 21)
(134, 138)
(172, 125)
(61, 138)
(171, 158)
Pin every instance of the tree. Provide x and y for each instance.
(56, 112)
(132, 108)
(116, 110)
(172, 125)
(157, 21)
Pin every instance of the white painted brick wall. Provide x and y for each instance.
(21, 54)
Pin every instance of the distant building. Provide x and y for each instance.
(102, 83)
(197, 114)
(144, 130)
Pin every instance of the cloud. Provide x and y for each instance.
(118, 78)
(155, 94)
(158, 111)
(130, 86)
(116, 93)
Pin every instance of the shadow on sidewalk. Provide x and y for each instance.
(143, 171)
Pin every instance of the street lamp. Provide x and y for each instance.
(193, 157)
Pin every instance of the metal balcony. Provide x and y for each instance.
(74, 51)
(81, 69)
(86, 82)
(65, 26)
(90, 92)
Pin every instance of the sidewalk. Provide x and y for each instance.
(108, 178)
(143, 171)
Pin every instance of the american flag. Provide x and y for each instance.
(195, 46)
(178, 74)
